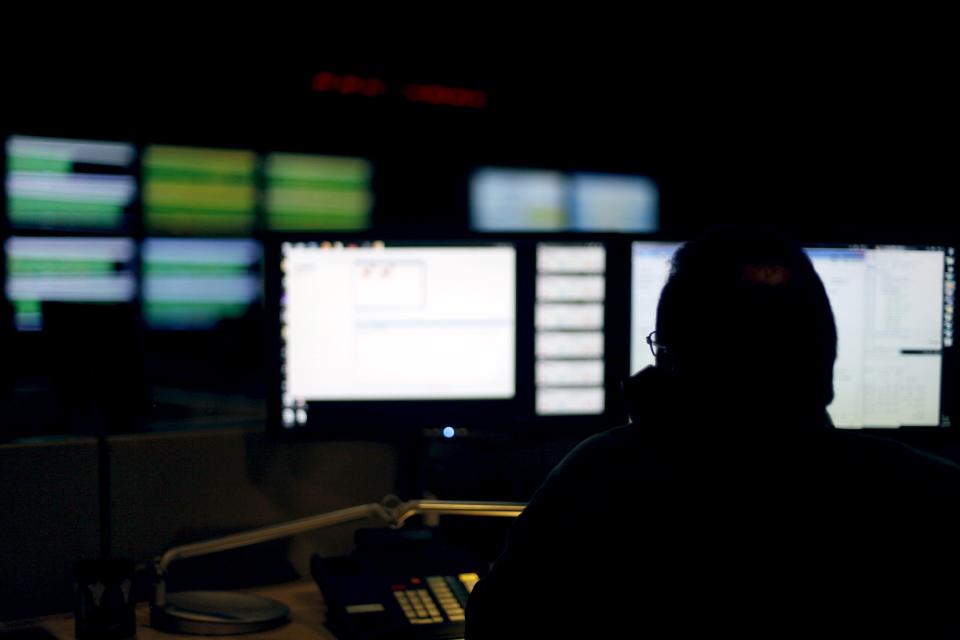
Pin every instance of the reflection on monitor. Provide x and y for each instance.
(195, 284)
(310, 193)
(69, 184)
(569, 336)
(518, 200)
(532, 200)
(198, 191)
(894, 312)
(613, 203)
(396, 322)
(67, 270)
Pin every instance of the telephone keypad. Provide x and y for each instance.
(417, 606)
(449, 598)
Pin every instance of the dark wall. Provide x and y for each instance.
(173, 489)
(50, 506)
(181, 487)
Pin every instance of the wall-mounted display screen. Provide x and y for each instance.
(311, 193)
(195, 191)
(196, 284)
(70, 185)
(67, 270)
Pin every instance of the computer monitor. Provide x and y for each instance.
(569, 320)
(507, 334)
(199, 191)
(611, 202)
(70, 185)
(194, 284)
(379, 334)
(314, 193)
(67, 270)
(518, 200)
(893, 307)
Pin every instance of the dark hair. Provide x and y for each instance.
(745, 315)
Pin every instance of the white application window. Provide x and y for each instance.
(399, 322)
(888, 304)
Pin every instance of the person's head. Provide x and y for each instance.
(745, 321)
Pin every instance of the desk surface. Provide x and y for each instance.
(307, 615)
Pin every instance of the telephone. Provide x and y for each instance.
(397, 585)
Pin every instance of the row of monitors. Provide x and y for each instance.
(531, 328)
(183, 283)
(531, 200)
(79, 185)
(524, 331)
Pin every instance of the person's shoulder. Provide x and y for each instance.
(599, 447)
(893, 454)
(602, 458)
(591, 480)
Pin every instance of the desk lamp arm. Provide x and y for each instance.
(390, 511)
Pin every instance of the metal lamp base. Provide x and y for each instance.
(217, 613)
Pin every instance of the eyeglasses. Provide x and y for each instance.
(656, 348)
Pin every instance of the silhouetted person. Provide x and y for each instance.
(730, 506)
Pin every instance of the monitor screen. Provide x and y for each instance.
(894, 312)
(194, 284)
(569, 329)
(893, 307)
(376, 321)
(606, 202)
(195, 191)
(67, 270)
(518, 200)
(311, 193)
(70, 185)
